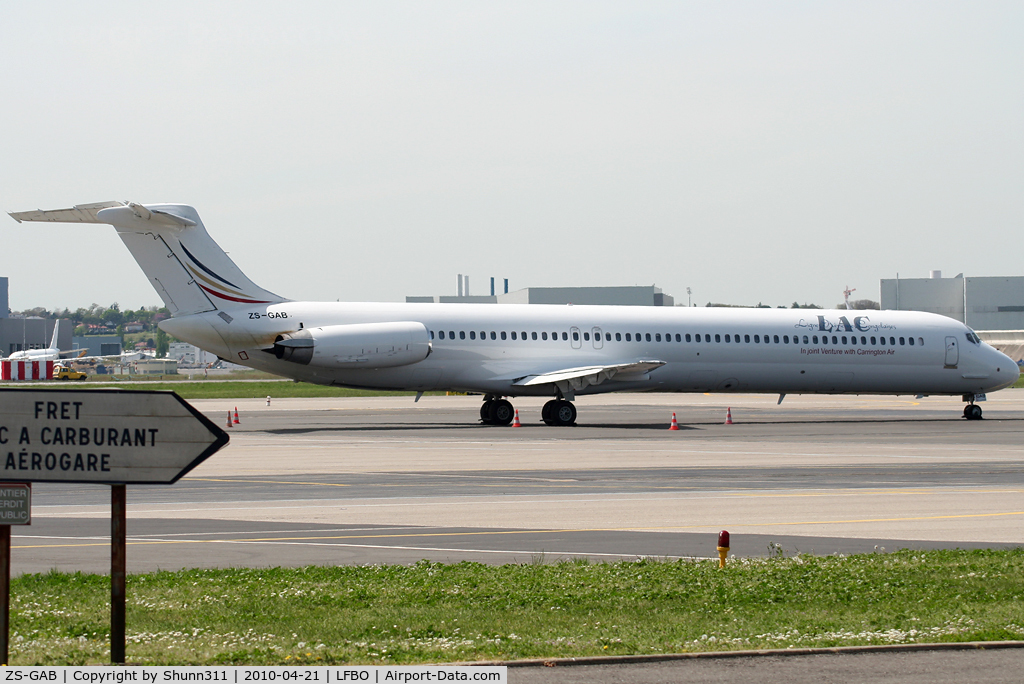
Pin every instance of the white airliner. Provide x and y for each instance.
(51, 353)
(538, 350)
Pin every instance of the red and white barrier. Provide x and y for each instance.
(26, 370)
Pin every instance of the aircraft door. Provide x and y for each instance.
(598, 339)
(952, 353)
(575, 337)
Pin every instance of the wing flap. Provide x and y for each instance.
(585, 376)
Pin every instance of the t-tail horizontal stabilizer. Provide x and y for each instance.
(189, 271)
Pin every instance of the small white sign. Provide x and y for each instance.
(102, 436)
(15, 504)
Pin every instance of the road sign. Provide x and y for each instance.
(15, 504)
(101, 436)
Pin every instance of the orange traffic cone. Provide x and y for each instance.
(675, 423)
(515, 421)
(236, 416)
(229, 418)
(728, 416)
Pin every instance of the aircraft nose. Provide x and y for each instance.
(1007, 370)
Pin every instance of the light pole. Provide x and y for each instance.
(688, 293)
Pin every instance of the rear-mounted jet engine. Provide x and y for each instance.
(360, 345)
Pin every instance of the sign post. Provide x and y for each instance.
(15, 509)
(115, 437)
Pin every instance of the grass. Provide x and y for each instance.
(430, 612)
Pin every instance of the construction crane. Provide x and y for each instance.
(846, 296)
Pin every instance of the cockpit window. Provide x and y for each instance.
(973, 337)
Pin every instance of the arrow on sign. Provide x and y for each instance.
(102, 436)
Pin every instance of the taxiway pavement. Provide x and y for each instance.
(374, 480)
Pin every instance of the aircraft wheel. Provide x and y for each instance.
(486, 411)
(972, 412)
(502, 413)
(547, 414)
(564, 413)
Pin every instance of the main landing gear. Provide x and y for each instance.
(496, 411)
(558, 412)
(972, 411)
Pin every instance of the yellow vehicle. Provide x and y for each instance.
(65, 373)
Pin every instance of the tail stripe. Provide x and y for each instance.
(200, 265)
(231, 299)
(206, 280)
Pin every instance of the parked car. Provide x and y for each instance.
(65, 373)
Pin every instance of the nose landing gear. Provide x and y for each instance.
(972, 411)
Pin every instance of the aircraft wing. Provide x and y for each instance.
(577, 378)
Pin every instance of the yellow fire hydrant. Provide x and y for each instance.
(723, 547)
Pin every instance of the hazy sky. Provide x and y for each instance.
(765, 151)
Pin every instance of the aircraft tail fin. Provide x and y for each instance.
(56, 333)
(189, 271)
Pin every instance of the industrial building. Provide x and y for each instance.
(17, 334)
(982, 303)
(98, 345)
(640, 295)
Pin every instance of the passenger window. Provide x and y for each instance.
(902, 341)
(440, 334)
(746, 338)
(472, 334)
(757, 339)
(911, 341)
(628, 338)
(815, 339)
(513, 334)
(607, 337)
(785, 338)
(844, 339)
(687, 337)
(565, 336)
(618, 337)
(523, 335)
(657, 337)
(638, 337)
(543, 336)
(892, 341)
(533, 336)
(775, 338)
(873, 341)
(648, 336)
(503, 334)
(493, 336)
(718, 338)
(586, 336)
(698, 337)
(920, 341)
(462, 334)
(728, 338)
(679, 338)
(575, 336)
